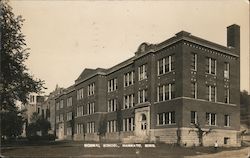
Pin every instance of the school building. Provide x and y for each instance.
(161, 94)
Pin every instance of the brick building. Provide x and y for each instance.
(159, 94)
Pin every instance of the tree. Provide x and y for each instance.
(38, 124)
(119, 119)
(102, 128)
(44, 126)
(15, 81)
(200, 132)
(11, 124)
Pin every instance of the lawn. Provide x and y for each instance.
(77, 149)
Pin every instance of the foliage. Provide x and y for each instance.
(11, 124)
(244, 98)
(35, 117)
(102, 125)
(16, 82)
(38, 124)
(49, 137)
(119, 119)
(200, 132)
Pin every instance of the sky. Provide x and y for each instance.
(67, 36)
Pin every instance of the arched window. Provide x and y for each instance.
(143, 117)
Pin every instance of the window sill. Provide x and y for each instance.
(211, 125)
(127, 108)
(166, 73)
(111, 111)
(113, 91)
(143, 79)
(166, 124)
(214, 75)
(164, 101)
(128, 86)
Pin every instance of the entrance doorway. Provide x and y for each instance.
(61, 131)
(142, 122)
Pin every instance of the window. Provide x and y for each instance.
(166, 64)
(166, 92)
(194, 90)
(57, 106)
(142, 72)
(161, 119)
(211, 66)
(112, 85)
(170, 117)
(211, 93)
(194, 61)
(226, 70)
(90, 108)
(226, 120)
(172, 65)
(194, 117)
(69, 131)
(57, 119)
(91, 127)
(128, 78)
(226, 140)
(79, 111)
(211, 119)
(91, 89)
(161, 66)
(32, 98)
(142, 96)
(69, 101)
(128, 101)
(79, 128)
(61, 103)
(61, 118)
(128, 124)
(226, 95)
(172, 92)
(112, 105)
(166, 118)
(79, 94)
(38, 110)
(111, 126)
(69, 116)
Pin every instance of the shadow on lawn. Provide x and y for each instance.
(25, 142)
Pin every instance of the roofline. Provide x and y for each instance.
(180, 36)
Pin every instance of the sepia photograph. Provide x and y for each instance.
(125, 79)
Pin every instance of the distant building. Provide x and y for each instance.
(47, 107)
(34, 104)
(65, 114)
(159, 94)
(44, 106)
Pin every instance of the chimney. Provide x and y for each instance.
(233, 37)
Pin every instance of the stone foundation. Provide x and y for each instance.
(185, 137)
(165, 135)
(226, 138)
(88, 137)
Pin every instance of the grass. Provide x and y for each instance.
(76, 149)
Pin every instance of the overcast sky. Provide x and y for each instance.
(67, 36)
